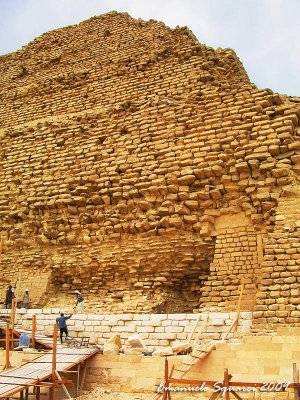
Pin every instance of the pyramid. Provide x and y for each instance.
(145, 169)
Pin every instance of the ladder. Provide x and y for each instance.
(199, 352)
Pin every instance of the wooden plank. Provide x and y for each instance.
(63, 386)
(192, 359)
(52, 392)
(167, 394)
(33, 331)
(194, 328)
(30, 376)
(12, 320)
(43, 340)
(226, 383)
(229, 329)
(296, 381)
(38, 393)
(236, 395)
(201, 330)
(77, 380)
(238, 311)
(7, 335)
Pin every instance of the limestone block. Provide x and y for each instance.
(178, 347)
(102, 328)
(112, 345)
(147, 329)
(158, 317)
(151, 323)
(95, 317)
(123, 329)
(167, 351)
(110, 348)
(141, 317)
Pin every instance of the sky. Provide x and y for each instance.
(265, 34)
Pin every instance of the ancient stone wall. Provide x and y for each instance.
(125, 148)
(278, 298)
(268, 357)
(156, 330)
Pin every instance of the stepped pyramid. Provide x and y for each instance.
(140, 166)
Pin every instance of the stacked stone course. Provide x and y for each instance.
(157, 330)
(139, 166)
(278, 299)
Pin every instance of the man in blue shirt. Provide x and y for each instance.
(61, 322)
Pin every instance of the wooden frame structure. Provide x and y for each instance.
(61, 360)
(226, 384)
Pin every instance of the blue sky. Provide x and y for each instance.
(265, 34)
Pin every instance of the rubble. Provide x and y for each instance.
(181, 348)
(136, 341)
(167, 351)
(112, 345)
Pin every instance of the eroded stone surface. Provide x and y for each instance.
(140, 166)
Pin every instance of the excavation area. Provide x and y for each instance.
(145, 356)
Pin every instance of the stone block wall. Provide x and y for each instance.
(126, 373)
(266, 359)
(123, 144)
(157, 330)
(257, 359)
(104, 62)
(148, 274)
(278, 298)
(236, 261)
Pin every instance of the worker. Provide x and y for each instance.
(25, 299)
(79, 306)
(9, 296)
(62, 325)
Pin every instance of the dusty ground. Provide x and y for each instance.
(107, 394)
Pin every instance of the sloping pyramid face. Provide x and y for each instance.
(138, 166)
